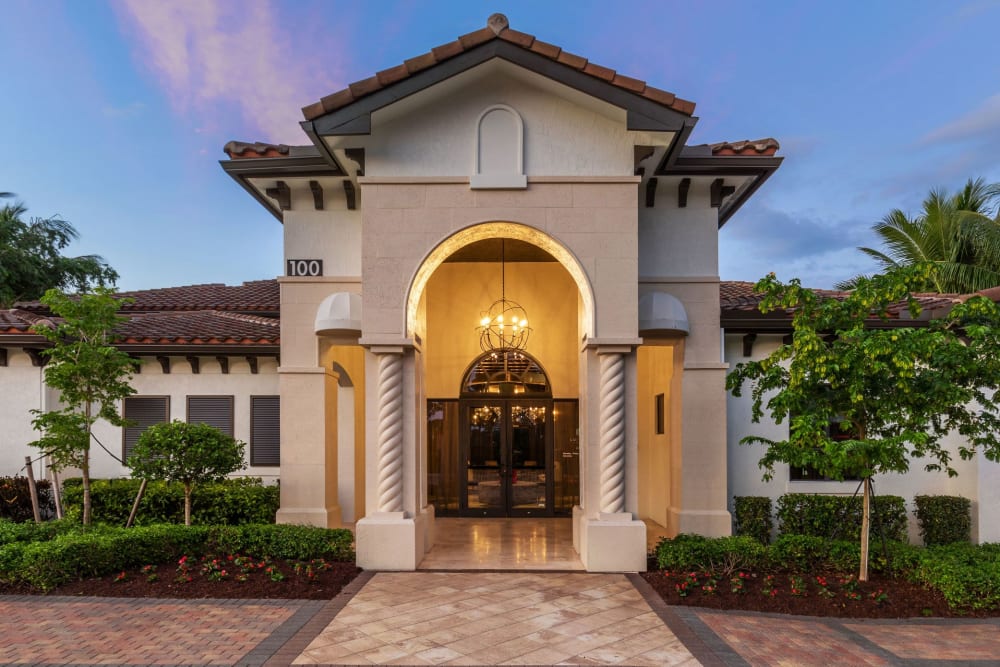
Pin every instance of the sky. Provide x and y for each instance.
(115, 113)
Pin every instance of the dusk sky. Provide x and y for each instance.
(115, 114)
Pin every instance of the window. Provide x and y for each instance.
(142, 412)
(660, 421)
(809, 473)
(215, 411)
(265, 431)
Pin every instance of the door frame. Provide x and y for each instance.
(506, 509)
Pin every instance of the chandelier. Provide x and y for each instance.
(504, 325)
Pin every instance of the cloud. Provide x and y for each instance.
(126, 111)
(212, 54)
(980, 123)
(820, 251)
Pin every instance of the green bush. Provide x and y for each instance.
(34, 532)
(15, 499)
(968, 576)
(101, 550)
(721, 554)
(242, 500)
(840, 516)
(943, 519)
(752, 517)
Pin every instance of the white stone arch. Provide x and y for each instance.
(491, 230)
(499, 149)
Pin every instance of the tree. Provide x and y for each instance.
(893, 392)
(31, 259)
(954, 232)
(91, 375)
(187, 453)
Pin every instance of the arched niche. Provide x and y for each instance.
(499, 150)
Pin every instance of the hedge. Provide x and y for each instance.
(943, 519)
(840, 516)
(752, 517)
(15, 500)
(237, 501)
(968, 576)
(102, 550)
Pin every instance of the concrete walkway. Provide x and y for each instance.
(469, 618)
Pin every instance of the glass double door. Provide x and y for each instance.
(506, 447)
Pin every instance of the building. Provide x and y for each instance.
(501, 298)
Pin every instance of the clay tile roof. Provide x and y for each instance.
(497, 27)
(260, 296)
(16, 321)
(243, 149)
(737, 296)
(766, 146)
(205, 327)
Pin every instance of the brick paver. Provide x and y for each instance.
(127, 631)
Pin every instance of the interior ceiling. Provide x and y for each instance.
(489, 250)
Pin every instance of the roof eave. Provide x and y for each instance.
(243, 169)
(759, 169)
(642, 114)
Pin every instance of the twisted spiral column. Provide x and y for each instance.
(390, 433)
(612, 433)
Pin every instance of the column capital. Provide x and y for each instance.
(611, 345)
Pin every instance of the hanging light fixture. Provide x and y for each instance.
(504, 325)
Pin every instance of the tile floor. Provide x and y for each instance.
(497, 618)
(502, 544)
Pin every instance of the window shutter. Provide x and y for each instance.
(215, 411)
(142, 412)
(265, 431)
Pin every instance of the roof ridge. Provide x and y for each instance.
(497, 27)
(257, 319)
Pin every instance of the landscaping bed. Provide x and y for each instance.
(256, 579)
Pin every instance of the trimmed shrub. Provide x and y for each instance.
(102, 550)
(968, 576)
(721, 555)
(35, 532)
(242, 500)
(840, 516)
(752, 517)
(15, 499)
(943, 519)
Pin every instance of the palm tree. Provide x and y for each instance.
(955, 233)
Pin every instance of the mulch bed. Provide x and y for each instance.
(321, 582)
(902, 598)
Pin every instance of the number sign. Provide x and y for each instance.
(305, 267)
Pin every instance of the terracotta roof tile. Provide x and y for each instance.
(448, 50)
(207, 327)
(768, 146)
(522, 39)
(242, 149)
(572, 60)
(600, 72)
(497, 28)
(736, 296)
(550, 51)
(390, 76)
(365, 86)
(259, 296)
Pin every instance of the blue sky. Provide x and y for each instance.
(115, 114)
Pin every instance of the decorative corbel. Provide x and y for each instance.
(164, 364)
(356, 155)
(651, 192)
(282, 194)
(352, 202)
(720, 191)
(682, 192)
(253, 365)
(317, 191)
(748, 341)
(37, 360)
(223, 364)
(195, 364)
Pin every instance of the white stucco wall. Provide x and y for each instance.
(679, 242)
(21, 390)
(21, 387)
(745, 475)
(433, 132)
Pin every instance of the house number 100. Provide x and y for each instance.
(305, 267)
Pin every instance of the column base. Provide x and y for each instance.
(309, 516)
(389, 541)
(613, 543)
(710, 523)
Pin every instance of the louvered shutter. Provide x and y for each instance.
(215, 411)
(142, 412)
(265, 431)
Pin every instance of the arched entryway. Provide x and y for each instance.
(506, 447)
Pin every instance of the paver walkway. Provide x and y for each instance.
(470, 618)
(497, 618)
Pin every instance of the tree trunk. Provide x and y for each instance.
(865, 523)
(187, 504)
(85, 473)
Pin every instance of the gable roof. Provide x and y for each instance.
(497, 28)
